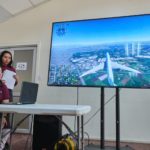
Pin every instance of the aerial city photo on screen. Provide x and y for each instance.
(111, 52)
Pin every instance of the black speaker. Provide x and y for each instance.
(46, 131)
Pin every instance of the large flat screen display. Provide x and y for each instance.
(107, 52)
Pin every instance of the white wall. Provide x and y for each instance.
(35, 27)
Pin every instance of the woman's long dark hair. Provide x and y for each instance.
(1, 56)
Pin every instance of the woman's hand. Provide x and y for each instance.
(5, 101)
(3, 81)
(16, 78)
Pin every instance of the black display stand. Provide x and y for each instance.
(102, 118)
(102, 146)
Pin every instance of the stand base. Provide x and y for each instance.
(96, 147)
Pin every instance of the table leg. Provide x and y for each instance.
(1, 126)
(1, 132)
(11, 127)
(78, 132)
(82, 131)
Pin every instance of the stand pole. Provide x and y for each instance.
(117, 119)
(102, 129)
(77, 95)
(77, 103)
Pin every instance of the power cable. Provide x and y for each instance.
(98, 110)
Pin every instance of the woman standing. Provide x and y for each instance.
(6, 64)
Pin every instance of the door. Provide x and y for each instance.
(24, 60)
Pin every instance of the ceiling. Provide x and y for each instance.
(11, 8)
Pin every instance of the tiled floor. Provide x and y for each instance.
(132, 146)
(19, 141)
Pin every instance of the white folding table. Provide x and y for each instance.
(50, 109)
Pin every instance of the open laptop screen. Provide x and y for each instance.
(29, 92)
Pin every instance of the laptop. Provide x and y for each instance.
(28, 93)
